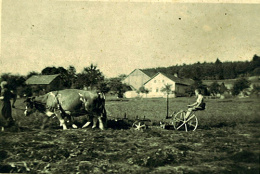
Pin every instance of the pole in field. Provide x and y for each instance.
(167, 89)
(167, 108)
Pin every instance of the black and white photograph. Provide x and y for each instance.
(130, 86)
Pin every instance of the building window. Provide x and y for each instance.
(154, 81)
(162, 80)
(157, 89)
(151, 89)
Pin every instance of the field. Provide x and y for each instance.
(226, 141)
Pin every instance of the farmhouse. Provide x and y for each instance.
(45, 82)
(254, 81)
(228, 82)
(137, 78)
(159, 80)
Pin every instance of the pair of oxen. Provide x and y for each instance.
(69, 103)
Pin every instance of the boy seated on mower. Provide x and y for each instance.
(198, 105)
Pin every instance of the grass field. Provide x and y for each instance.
(218, 112)
(226, 141)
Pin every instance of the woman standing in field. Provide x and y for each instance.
(6, 118)
(198, 105)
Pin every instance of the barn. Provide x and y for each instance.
(137, 78)
(159, 80)
(45, 83)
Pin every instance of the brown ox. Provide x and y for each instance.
(70, 103)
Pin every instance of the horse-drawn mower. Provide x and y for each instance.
(179, 121)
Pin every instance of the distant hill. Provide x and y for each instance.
(212, 71)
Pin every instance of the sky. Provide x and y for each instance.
(120, 36)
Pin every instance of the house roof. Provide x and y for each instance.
(41, 79)
(175, 79)
(179, 80)
(146, 72)
(129, 74)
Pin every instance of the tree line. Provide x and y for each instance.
(213, 71)
(90, 78)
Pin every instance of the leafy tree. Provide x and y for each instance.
(222, 88)
(89, 77)
(66, 78)
(214, 88)
(142, 89)
(198, 85)
(25, 91)
(256, 71)
(71, 70)
(219, 70)
(167, 89)
(240, 85)
(50, 71)
(72, 75)
(14, 81)
(103, 86)
(255, 63)
(122, 76)
(117, 86)
(79, 81)
(32, 73)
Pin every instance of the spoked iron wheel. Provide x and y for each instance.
(182, 123)
(139, 125)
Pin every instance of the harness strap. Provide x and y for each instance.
(55, 107)
(58, 102)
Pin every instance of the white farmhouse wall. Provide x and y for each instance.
(136, 79)
(156, 84)
(130, 94)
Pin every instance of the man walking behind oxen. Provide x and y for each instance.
(6, 119)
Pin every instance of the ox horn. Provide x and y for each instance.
(81, 97)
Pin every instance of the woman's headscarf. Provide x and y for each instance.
(4, 84)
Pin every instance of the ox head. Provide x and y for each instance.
(29, 106)
(95, 104)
